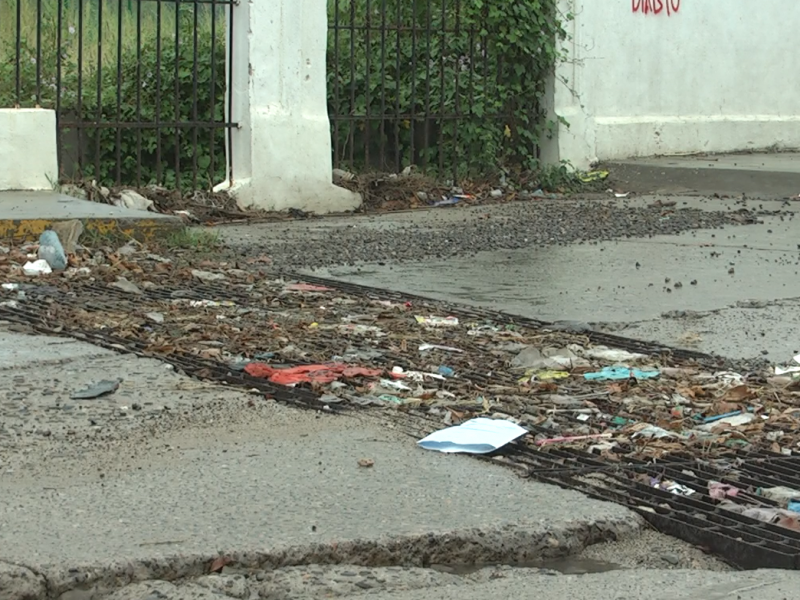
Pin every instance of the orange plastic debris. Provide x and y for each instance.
(323, 373)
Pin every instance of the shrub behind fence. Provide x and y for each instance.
(142, 85)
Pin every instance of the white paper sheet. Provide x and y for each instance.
(476, 436)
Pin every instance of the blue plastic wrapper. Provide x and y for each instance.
(446, 371)
(613, 373)
(51, 250)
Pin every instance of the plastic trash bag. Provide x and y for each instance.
(51, 250)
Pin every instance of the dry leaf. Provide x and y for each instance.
(739, 393)
(218, 563)
(618, 387)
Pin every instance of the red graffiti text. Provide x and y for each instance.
(656, 7)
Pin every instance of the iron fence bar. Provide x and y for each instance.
(382, 129)
(18, 52)
(99, 109)
(39, 51)
(397, 155)
(118, 150)
(195, 132)
(213, 90)
(139, 91)
(367, 78)
(407, 116)
(146, 125)
(78, 126)
(177, 90)
(231, 37)
(352, 126)
(471, 110)
(159, 46)
(442, 63)
(413, 99)
(427, 125)
(336, 85)
(457, 98)
(59, 54)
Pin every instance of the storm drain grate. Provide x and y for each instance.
(695, 518)
(470, 312)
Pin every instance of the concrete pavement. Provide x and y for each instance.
(122, 495)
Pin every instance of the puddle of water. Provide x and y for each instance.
(566, 566)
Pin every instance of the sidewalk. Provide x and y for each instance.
(774, 175)
(125, 494)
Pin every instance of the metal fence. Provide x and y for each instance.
(139, 86)
(411, 82)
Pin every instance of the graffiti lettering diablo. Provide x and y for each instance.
(656, 7)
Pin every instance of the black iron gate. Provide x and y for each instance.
(139, 86)
(423, 83)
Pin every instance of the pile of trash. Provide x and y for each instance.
(362, 350)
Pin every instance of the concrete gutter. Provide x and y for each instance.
(25, 215)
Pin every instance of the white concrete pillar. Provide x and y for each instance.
(281, 152)
(28, 149)
(572, 141)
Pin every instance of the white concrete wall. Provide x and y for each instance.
(28, 154)
(282, 150)
(711, 76)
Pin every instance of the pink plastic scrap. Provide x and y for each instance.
(720, 491)
(307, 287)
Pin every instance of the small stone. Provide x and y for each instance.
(365, 585)
(496, 193)
(127, 286)
(156, 317)
(671, 559)
(127, 250)
(366, 463)
(207, 276)
(133, 201)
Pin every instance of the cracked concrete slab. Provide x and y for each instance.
(18, 582)
(159, 497)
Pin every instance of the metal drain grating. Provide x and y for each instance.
(697, 519)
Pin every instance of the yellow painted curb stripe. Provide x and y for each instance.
(142, 230)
